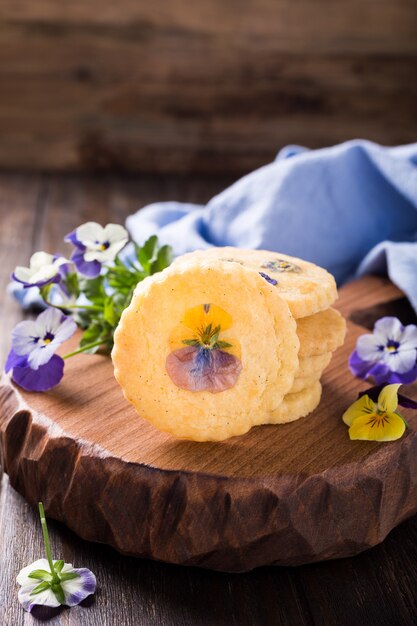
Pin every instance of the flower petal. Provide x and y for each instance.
(24, 337)
(72, 238)
(44, 598)
(77, 589)
(115, 233)
(368, 348)
(363, 406)
(14, 360)
(388, 398)
(364, 428)
(204, 314)
(23, 576)
(42, 379)
(199, 369)
(89, 269)
(89, 233)
(380, 372)
(66, 330)
(389, 328)
(48, 321)
(41, 355)
(409, 337)
(402, 361)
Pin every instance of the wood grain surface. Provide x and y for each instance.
(207, 86)
(374, 588)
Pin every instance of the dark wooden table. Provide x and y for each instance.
(377, 587)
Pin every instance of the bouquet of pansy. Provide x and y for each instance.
(89, 291)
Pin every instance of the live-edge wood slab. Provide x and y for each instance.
(282, 495)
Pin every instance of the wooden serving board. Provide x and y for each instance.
(281, 495)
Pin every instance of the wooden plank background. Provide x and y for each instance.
(207, 86)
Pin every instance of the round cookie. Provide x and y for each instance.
(307, 288)
(310, 365)
(296, 405)
(322, 332)
(216, 389)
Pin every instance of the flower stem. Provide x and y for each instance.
(86, 307)
(45, 533)
(87, 347)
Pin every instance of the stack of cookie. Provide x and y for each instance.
(226, 339)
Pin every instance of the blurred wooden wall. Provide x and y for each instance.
(209, 85)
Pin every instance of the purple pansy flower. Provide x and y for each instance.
(32, 357)
(96, 245)
(388, 355)
(43, 269)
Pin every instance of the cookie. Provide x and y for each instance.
(307, 288)
(205, 349)
(310, 365)
(320, 333)
(296, 405)
(301, 383)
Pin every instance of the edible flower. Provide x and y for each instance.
(44, 269)
(376, 421)
(52, 583)
(200, 360)
(388, 355)
(280, 265)
(32, 357)
(96, 245)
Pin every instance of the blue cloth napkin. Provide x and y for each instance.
(351, 208)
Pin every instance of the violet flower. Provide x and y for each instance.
(32, 357)
(44, 269)
(52, 583)
(388, 355)
(96, 245)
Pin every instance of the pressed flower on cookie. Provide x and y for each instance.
(204, 356)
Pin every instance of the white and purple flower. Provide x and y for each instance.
(52, 583)
(44, 269)
(75, 583)
(96, 245)
(388, 355)
(32, 357)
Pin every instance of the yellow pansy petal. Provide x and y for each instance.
(179, 335)
(363, 406)
(388, 398)
(201, 316)
(374, 428)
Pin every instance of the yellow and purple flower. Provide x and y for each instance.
(280, 265)
(204, 356)
(96, 245)
(388, 355)
(32, 358)
(376, 420)
(47, 582)
(44, 269)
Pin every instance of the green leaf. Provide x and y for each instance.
(58, 565)
(91, 335)
(40, 574)
(94, 289)
(72, 284)
(39, 588)
(163, 259)
(110, 312)
(69, 576)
